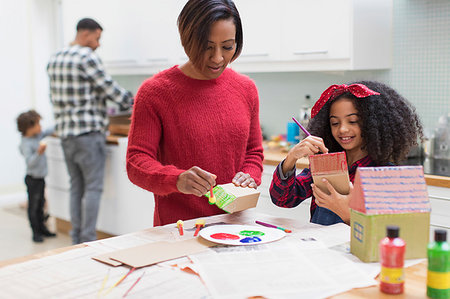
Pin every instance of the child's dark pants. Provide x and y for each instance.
(36, 200)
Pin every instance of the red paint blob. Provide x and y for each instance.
(224, 236)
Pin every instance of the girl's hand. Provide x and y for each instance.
(309, 146)
(244, 180)
(196, 181)
(335, 202)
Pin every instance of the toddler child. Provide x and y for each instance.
(33, 149)
(370, 121)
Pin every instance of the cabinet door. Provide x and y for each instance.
(260, 29)
(316, 29)
(135, 32)
(159, 31)
(118, 44)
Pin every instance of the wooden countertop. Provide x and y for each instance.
(112, 139)
(274, 157)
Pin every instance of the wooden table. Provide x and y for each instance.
(415, 286)
(415, 276)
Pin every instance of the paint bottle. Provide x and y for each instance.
(438, 276)
(392, 254)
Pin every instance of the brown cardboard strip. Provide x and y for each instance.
(104, 258)
(152, 253)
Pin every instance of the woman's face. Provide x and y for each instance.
(344, 123)
(220, 50)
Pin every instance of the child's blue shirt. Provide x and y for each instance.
(36, 164)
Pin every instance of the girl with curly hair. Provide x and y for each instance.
(370, 121)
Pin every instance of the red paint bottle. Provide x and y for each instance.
(392, 254)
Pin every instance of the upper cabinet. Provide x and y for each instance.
(317, 35)
(141, 36)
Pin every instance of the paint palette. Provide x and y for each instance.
(234, 234)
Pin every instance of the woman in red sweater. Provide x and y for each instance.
(197, 125)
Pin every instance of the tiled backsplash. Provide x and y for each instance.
(420, 72)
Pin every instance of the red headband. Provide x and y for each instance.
(332, 92)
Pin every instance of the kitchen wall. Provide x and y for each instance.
(420, 72)
(27, 40)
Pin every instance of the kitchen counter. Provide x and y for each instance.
(274, 157)
(433, 168)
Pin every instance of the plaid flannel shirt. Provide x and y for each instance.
(290, 191)
(79, 88)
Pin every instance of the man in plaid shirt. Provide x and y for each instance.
(79, 88)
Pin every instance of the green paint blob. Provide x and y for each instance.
(251, 233)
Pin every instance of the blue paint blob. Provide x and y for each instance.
(250, 240)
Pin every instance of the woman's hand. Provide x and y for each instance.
(335, 202)
(309, 146)
(196, 181)
(244, 180)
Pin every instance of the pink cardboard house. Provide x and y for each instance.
(384, 196)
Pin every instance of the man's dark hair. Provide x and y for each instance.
(27, 120)
(88, 24)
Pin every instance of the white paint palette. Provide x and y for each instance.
(241, 235)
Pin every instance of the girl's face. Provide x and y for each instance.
(344, 123)
(220, 50)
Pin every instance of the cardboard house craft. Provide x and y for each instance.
(333, 167)
(385, 196)
(231, 198)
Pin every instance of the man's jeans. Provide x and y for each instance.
(85, 157)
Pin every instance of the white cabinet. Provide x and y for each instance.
(265, 205)
(141, 36)
(316, 29)
(138, 35)
(323, 35)
(440, 208)
(124, 207)
(259, 30)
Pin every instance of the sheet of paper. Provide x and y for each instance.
(74, 274)
(277, 270)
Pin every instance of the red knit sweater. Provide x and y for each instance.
(179, 122)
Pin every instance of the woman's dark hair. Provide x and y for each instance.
(88, 24)
(389, 124)
(27, 120)
(195, 21)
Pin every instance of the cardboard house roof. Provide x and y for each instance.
(390, 190)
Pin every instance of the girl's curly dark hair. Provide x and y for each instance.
(389, 124)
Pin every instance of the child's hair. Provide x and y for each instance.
(27, 120)
(389, 124)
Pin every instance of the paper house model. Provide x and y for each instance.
(333, 167)
(385, 196)
(231, 198)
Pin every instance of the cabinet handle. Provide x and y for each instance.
(311, 52)
(255, 55)
(157, 59)
(120, 61)
(439, 197)
(124, 61)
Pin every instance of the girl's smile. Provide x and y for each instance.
(345, 128)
